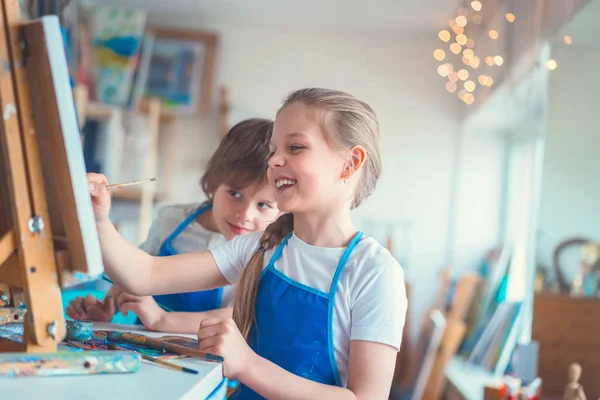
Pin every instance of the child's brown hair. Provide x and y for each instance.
(346, 121)
(241, 158)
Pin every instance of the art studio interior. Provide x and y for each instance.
(300, 200)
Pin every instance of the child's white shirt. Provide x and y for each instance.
(193, 238)
(370, 301)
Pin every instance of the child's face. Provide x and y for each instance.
(238, 212)
(304, 168)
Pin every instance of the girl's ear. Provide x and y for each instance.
(358, 156)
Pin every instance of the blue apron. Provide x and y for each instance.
(187, 302)
(294, 324)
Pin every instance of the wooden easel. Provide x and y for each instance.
(45, 243)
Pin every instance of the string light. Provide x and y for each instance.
(451, 87)
(444, 35)
(463, 74)
(489, 81)
(466, 61)
(461, 39)
(453, 76)
(469, 86)
(489, 60)
(476, 5)
(443, 70)
(458, 29)
(461, 94)
(450, 67)
(469, 98)
(551, 65)
(455, 48)
(469, 54)
(510, 17)
(493, 34)
(439, 54)
(461, 21)
(568, 39)
(482, 79)
(498, 60)
(475, 62)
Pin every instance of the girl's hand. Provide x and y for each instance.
(100, 196)
(146, 308)
(92, 309)
(222, 337)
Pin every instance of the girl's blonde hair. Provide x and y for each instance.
(347, 122)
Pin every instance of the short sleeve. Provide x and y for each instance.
(232, 256)
(153, 241)
(380, 304)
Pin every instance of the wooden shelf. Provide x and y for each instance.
(134, 195)
(102, 112)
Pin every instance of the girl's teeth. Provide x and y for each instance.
(283, 182)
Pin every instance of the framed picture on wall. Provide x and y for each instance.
(180, 69)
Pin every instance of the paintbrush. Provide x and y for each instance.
(158, 361)
(131, 183)
(158, 344)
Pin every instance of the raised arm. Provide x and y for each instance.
(137, 272)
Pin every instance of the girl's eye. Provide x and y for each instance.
(264, 206)
(235, 194)
(295, 148)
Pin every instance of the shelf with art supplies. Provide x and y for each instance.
(441, 332)
(48, 243)
(491, 354)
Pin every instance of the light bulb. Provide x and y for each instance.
(568, 39)
(551, 65)
(444, 35)
(498, 60)
(450, 67)
(458, 29)
(455, 48)
(510, 17)
(489, 81)
(469, 86)
(475, 62)
(453, 76)
(451, 87)
(465, 60)
(461, 94)
(482, 79)
(469, 54)
(461, 39)
(493, 34)
(443, 70)
(463, 74)
(476, 5)
(461, 20)
(468, 98)
(489, 60)
(439, 54)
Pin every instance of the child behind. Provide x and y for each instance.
(319, 309)
(239, 202)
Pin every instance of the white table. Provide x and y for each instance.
(150, 382)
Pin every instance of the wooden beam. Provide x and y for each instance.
(10, 271)
(7, 246)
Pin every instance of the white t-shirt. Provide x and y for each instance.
(193, 238)
(370, 301)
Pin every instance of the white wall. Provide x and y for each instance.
(571, 176)
(395, 74)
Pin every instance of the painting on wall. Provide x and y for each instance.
(180, 70)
